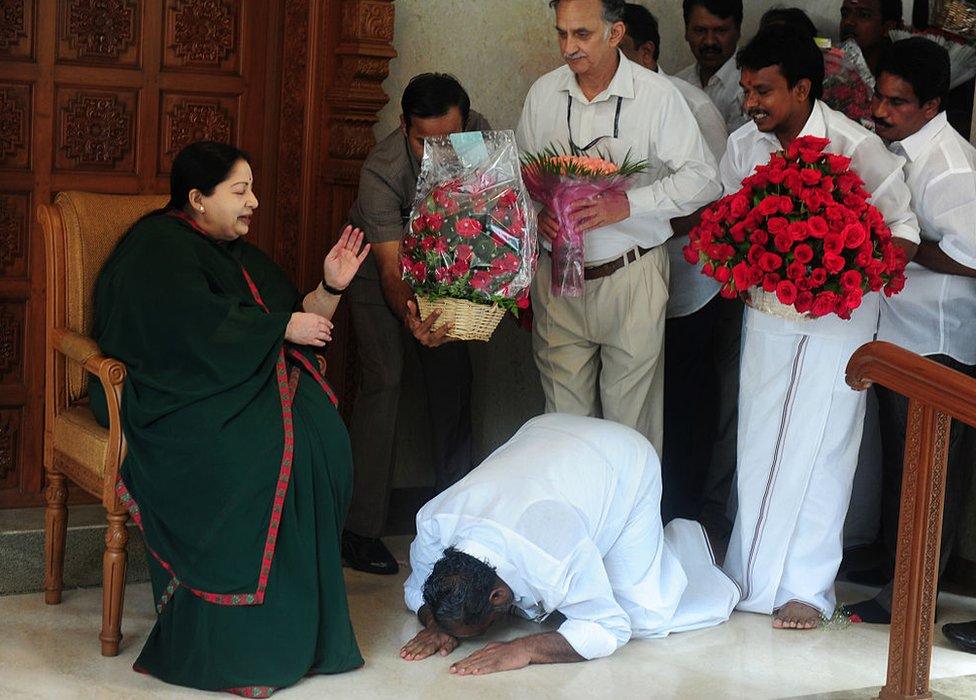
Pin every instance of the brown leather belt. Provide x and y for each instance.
(608, 268)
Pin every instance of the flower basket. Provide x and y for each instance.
(472, 321)
(470, 247)
(767, 302)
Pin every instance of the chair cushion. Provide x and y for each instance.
(93, 224)
(77, 435)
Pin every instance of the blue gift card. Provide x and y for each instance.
(470, 148)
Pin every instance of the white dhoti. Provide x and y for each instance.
(800, 428)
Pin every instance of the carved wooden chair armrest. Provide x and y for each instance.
(111, 374)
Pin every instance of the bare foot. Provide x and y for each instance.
(796, 616)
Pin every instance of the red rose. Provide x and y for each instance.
(759, 237)
(755, 275)
(895, 284)
(804, 301)
(442, 197)
(420, 271)
(452, 207)
(783, 242)
(442, 275)
(460, 268)
(508, 200)
(434, 222)
(833, 263)
(770, 262)
(754, 253)
(854, 235)
(823, 304)
(810, 176)
(427, 243)
(769, 205)
(796, 270)
(418, 224)
(786, 292)
(799, 231)
(467, 227)
(722, 274)
(853, 298)
(833, 243)
(708, 269)
(838, 164)
(481, 281)
(818, 277)
(740, 276)
(777, 225)
(728, 292)
(851, 279)
(808, 155)
(803, 253)
(785, 204)
(691, 255)
(738, 206)
(463, 252)
(817, 226)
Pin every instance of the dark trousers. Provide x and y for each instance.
(701, 387)
(893, 412)
(381, 340)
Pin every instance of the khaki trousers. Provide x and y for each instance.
(602, 354)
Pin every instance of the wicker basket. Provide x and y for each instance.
(471, 321)
(764, 301)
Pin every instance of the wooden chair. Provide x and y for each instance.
(80, 230)
(936, 395)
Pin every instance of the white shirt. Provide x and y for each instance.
(688, 289)
(655, 125)
(543, 510)
(723, 89)
(883, 178)
(935, 314)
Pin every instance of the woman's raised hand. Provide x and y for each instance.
(308, 329)
(344, 259)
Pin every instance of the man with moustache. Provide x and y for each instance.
(712, 30)
(381, 304)
(800, 424)
(602, 354)
(935, 315)
(701, 357)
(868, 23)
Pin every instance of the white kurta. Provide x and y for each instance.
(568, 512)
(800, 424)
(723, 89)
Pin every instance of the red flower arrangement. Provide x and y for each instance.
(465, 242)
(801, 229)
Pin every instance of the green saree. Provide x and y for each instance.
(238, 471)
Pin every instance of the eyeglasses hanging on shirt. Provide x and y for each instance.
(577, 150)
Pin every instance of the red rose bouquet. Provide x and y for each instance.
(848, 84)
(800, 239)
(469, 249)
(557, 180)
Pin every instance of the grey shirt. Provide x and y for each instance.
(387, 186)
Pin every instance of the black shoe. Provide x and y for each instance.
(367, 554)
(962, 635)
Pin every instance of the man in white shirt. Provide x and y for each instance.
(935, 315)
(800, 424)
(601, 354)
(712, 29)
(868, 22)
(701, 365)
(564, 516)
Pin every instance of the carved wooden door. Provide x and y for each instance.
(99, 95)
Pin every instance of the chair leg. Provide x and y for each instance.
(55, 531)
(113, 581)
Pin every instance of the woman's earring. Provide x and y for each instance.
(201, 210)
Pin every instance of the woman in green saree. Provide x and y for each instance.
(239, 469)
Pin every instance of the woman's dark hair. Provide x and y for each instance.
(642, 27)
(201, 166)
(458, 590)
(432, 95)
(792, 17)
(921, 63)
(796, 54)
(723, 9)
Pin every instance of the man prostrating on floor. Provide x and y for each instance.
(565, 516)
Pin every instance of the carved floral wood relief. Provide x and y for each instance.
(96, 130)
(9, 442)
(190, 118)
(14, 222)
(16, 20)
(11, 342)
(202, 34)
(99, 31)
(15, 106)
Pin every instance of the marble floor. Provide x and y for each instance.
(53, 652)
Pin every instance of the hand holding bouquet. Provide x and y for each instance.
(800, 233)
(557, 180)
